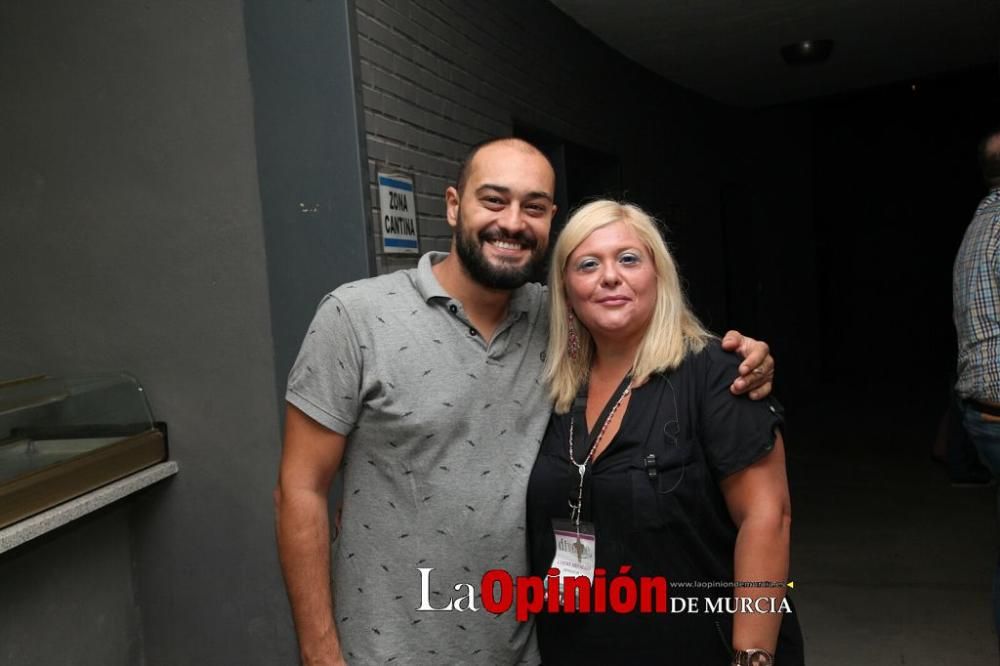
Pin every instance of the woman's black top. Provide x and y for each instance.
(672, 523)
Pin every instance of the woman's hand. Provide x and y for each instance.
(756, 370)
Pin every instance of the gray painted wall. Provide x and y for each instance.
(68, 598)
(310, 157)
(133, 239)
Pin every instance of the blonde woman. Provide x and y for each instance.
(651, 473)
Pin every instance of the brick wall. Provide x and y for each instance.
(440, 75)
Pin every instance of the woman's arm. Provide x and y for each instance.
(757, 498)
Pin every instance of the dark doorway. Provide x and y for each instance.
(896, 183)
(742, 279)
(582, 173)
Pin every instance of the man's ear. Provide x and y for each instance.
(452, 200)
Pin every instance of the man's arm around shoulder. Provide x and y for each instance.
(310, 457)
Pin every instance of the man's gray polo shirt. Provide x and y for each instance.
(443, 428)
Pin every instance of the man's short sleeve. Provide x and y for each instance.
(325, 381)
(735, 430)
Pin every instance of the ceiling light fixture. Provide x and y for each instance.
(807, 52)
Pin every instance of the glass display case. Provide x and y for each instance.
(63, 437)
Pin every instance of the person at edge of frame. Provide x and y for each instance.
(976, 314)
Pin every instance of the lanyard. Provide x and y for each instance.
(579, 408)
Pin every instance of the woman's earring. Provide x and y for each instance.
(574, 338)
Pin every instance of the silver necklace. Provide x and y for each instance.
(581, 468)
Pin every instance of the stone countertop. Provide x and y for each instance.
(25, 530)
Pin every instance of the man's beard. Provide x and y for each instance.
(497, 276)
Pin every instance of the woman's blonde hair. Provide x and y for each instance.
(674, 330)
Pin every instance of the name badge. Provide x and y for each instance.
(576, 550)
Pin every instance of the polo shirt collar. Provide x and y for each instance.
(427, 283)
(429, 287)
(520, 301)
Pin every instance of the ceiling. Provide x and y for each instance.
(729, 49)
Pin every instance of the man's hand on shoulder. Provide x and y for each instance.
(757, 369)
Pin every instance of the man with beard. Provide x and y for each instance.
(425, 386)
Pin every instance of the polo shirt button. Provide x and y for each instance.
(453, 308)
(472, 331)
